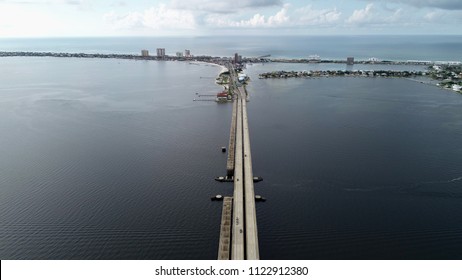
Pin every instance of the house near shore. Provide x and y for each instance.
(222, 96)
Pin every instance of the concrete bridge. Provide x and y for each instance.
(239, 234)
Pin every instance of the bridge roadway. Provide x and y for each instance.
(237, 237)
(251, 232)
(244, 234)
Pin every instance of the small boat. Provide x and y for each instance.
(223, 149)
(224, 179)
(260, 198)
(217, 197)
(257, 179)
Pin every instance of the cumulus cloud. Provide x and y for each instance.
(306, 16)
(41, 2)
(441, 4)
(443, 17)
(223, 6)
(362, 15)
(370, 16)
(309, 16)
(160, 17)
(281, 18)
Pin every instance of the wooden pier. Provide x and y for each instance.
(232, 142)
(224, 248)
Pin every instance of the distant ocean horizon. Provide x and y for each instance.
(385, 47)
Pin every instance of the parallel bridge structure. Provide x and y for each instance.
(239, 233)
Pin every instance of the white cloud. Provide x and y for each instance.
(443, 17)
(73, 2)
(397, 16)
(307, 16)
(119, 4)
(160, 17)
(440, 4)
(371, 17)
(47, 2)
(256, 21)
(362, 16)
(16, 21)
(128, 21)
(222, 6)
(281, 18)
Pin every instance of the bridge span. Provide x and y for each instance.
(239, 241)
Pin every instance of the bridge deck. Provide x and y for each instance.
(251, 242)
(237, 239)
(244, 233)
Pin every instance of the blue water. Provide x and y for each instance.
(433, 48)
(112, 159)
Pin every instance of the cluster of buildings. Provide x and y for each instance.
(160, 54)
(449, 75)
(333, 73)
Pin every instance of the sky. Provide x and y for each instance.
(81, 18)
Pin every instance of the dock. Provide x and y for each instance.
(224, 248)
(232, 142)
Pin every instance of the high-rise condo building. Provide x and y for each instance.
(161, 53)
(144, 53)
(350, 60)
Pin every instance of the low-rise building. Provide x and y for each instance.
(222, 97)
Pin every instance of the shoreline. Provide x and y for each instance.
(222, 60)
(408, 75)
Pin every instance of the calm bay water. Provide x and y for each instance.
(111, 159)
(357, 168)
(108, 159)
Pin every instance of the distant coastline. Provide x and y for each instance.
(222, 60)
(448, 72)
